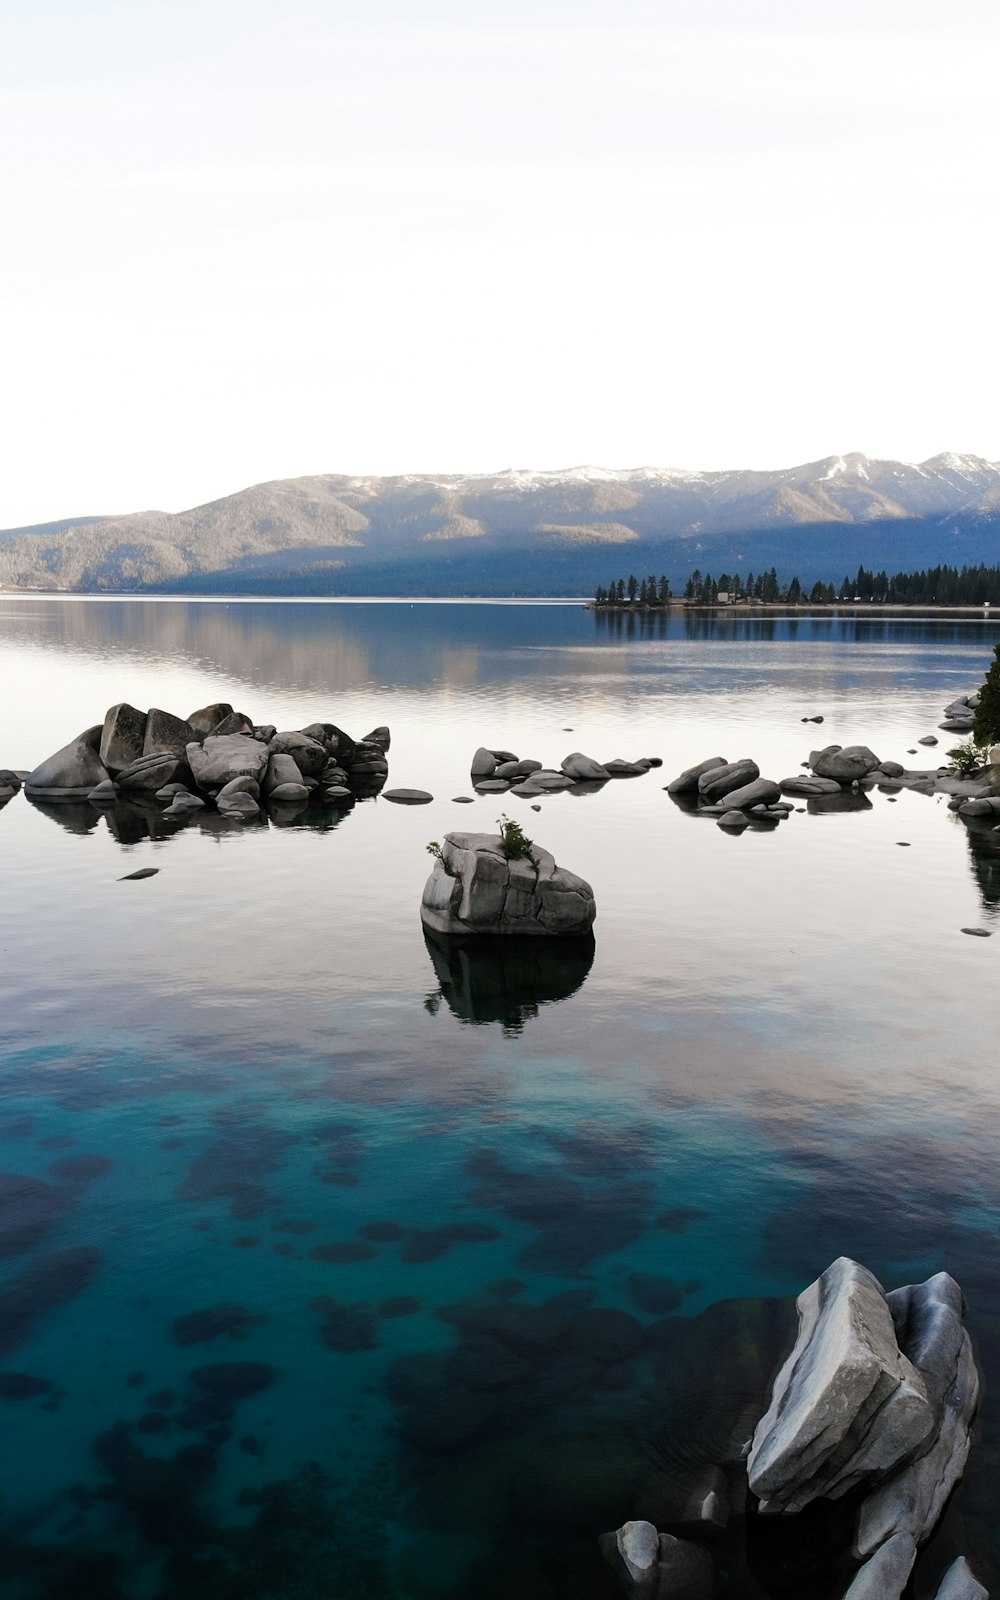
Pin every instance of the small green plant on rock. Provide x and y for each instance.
(515, 843)
(968, 757)
(434, 849)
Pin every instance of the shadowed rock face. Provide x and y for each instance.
(476, 889)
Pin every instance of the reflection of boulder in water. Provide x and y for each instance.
(984, 858)
(76, 816)
(827, 805)
(505, 978)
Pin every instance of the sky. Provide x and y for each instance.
(247, 240)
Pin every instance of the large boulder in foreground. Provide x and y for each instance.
(847, 1405)
(476, 888)
(71, 772)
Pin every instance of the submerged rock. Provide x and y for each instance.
(476, 888)
(960, 1583)
(886, 1574)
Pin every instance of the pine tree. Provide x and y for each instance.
(986, 728)
(633, 587)
(663, 593)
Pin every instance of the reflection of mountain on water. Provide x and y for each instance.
(505, 979)
(984, 858)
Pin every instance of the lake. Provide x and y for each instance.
(338, 1269)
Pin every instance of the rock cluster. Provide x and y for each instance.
(879, 1391)
(496, 771)
(733, 792)
(476, 887)
(959, 716)
(214, 756)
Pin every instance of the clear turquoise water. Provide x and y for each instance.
(783, 1050)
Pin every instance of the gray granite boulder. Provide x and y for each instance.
(732, 819)
(657, 1566)
(476, 888)
(761, 792)
(846, 1405)
(379, 736)
(105, 794)
(960, 1583)
(308, 754)
(929, 1319)
(577, 765)
(236, 803)
(166, 734)
(221, 758)
(153, 772)
(236, 722)
(407, 797)
(284, 793)
(242, 785)
(848, 763)
(686, 782)
(886, 1574)
(71, 772)
(367, 760)
(717, 782)
(280, 769)
(619, 768)
(546, 778)
(122, 736)
(484, 763)
(10, 781)
(517, 769)
(207, 718)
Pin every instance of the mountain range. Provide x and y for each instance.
(528, 533)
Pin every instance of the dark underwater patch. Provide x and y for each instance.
(81, 1168)
(344, 1253)
(28, 1208)
(226, 1321)
(47, 1284)
(429, 1244)
(347, 1328)
(383, 1232)
(23, 1386)
(654, 1294)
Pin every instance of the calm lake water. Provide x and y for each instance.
(346, 1272)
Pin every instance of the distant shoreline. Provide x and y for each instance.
(673, 606)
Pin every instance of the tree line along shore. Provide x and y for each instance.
(942, 586)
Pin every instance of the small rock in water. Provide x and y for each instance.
(929, 738)
(536, 808)
(978, 933)
(904, 844)
(407, 797)
(462, 800)
(143, 872)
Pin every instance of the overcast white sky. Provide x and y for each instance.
(247, 239)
